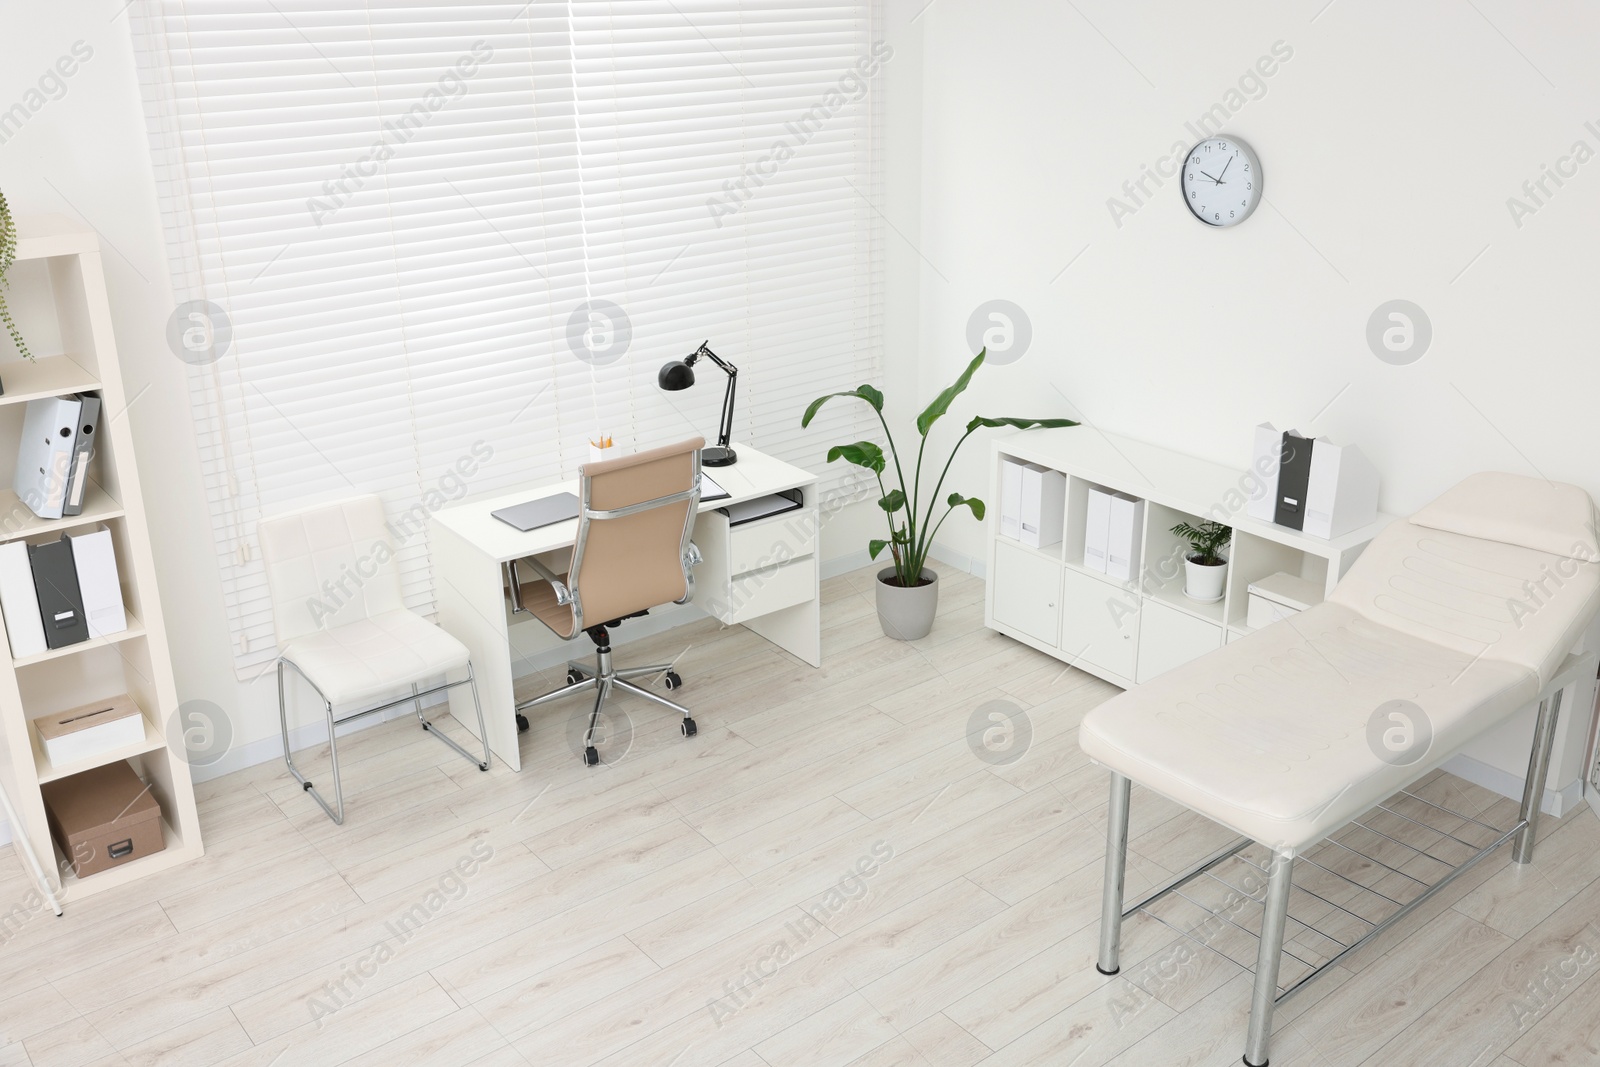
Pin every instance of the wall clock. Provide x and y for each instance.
(1221, 181)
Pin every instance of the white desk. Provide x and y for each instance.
(763, 575)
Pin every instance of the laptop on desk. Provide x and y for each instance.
(545, 511)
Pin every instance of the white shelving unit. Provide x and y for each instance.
(1129, 632)
(58, 265)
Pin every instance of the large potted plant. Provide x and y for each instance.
(908, 591)
(1205, 568)
(8, 256)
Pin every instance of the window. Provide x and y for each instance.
(431, 251)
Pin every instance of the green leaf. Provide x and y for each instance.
(1021, 424)
(865, 392)
(893, 502)
(941, 403)
(875, 546)
(957, 500)
(862, 454)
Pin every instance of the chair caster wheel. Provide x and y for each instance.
(307, 786)
(574, 676)
(674, 681)
(590, 756)
(522, 723)
(689, 728)
(483, 766)
(427, 726)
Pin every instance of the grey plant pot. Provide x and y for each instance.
(907, 614)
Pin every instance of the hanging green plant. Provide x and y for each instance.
(8, 256)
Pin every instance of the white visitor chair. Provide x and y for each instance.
(343, 626)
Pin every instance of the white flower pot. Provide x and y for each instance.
(1204, 583)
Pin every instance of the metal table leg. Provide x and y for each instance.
(1268, 956)
(1116, 875)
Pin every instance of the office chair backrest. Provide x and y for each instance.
(328, 565)
(633, 533)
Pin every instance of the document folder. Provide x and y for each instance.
(44, 455)
(82, 452)
(55, 580)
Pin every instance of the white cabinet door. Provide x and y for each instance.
(1168, 637)
(1099, 623)
(1027, 592)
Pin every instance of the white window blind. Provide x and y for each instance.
(449, 244)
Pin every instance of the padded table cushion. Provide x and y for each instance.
(1272, 734)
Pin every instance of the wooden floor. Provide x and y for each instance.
(828, 874)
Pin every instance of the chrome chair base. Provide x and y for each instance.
(602, 677)
(336, 811)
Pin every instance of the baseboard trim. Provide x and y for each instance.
(851, 561)
(1557, 802)
(973, 565)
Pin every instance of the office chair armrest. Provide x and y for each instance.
(563, 594)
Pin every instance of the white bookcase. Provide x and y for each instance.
(58, 267)
(1129, 632)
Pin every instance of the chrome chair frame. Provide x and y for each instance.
(336, 813)
(602, 677)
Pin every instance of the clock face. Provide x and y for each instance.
(1221, 181)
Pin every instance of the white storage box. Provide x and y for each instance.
(1044, 502)
(1123, 534)
(1097, 529)
(1278, 596)
(92, 730)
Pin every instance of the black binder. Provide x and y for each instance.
(1294, 475)
(55, 579)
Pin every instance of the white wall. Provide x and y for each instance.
(1390, 140)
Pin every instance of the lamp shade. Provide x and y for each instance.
(675, 375)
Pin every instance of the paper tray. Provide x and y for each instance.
(763, 507)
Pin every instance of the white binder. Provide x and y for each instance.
(1044, 503)
(1123, 534)
(1011, 499)
(96, 560)
(44, 455)
(20, 601)
(1264, 457)
(1097, 528)
(1342, 493)
(82, 452)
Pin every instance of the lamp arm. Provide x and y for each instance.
(725, 426)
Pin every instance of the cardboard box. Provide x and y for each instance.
(103, 818)
(91, 730)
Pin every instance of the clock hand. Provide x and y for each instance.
(1213, 179)
(1225, 167)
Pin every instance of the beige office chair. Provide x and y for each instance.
(342, 624)
(632, 554)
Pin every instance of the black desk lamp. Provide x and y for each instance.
(679, 374)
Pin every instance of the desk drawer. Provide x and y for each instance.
(756, 593)
(765, 543)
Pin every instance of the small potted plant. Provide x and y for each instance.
(908, 593)
(1205, 568)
